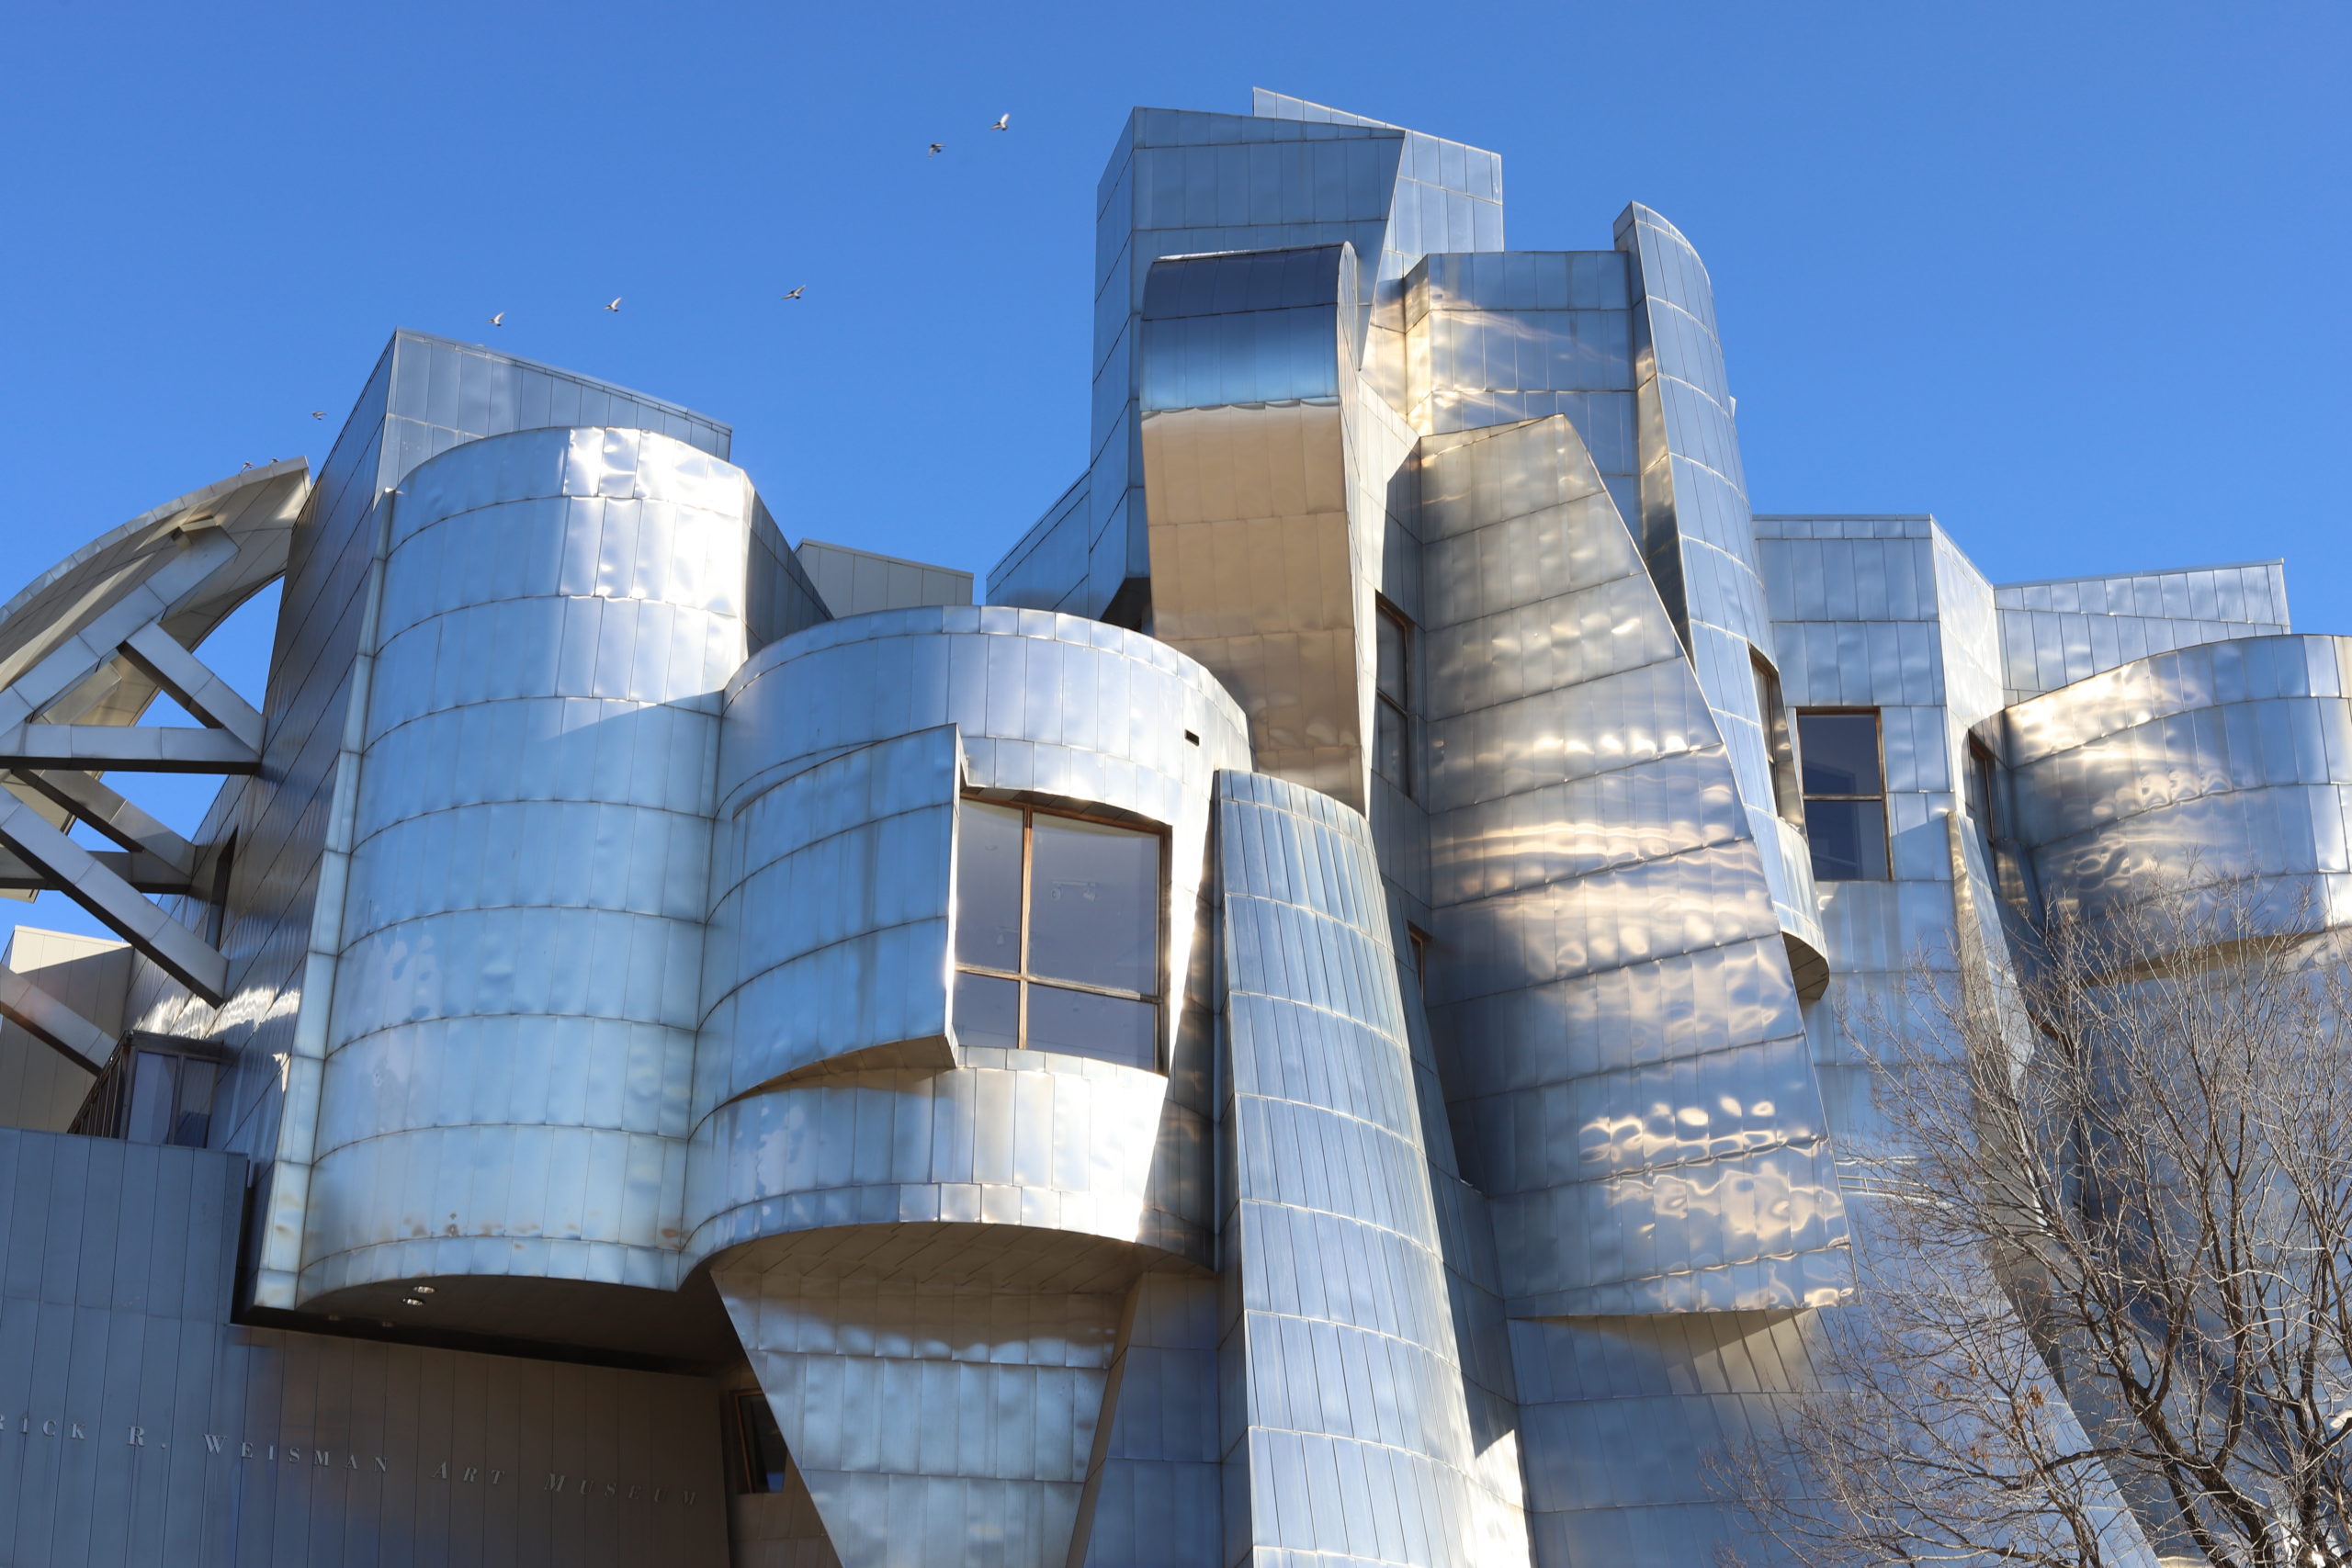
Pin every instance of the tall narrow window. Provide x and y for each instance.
(1057, 933)
(1981, 806)
(1845, 793)
(1391, 749)
(760, 1456)
(216, 907)
(1788, 799)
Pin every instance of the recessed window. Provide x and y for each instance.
(1057, 933)
(1392, 750)
(1845, 793)
(761, 1459)
(1788, 799)
(1982, 809)
(153, 1089)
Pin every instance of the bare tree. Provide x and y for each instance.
(2107, 1247)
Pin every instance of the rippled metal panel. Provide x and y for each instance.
(929, 1264)
(1346, 1437)
(1259, 569)
(1696, 531)
(2067, 629)
(1180, 182)
(2226, 760)
(517, 998)
(827, 940)
(1625, 1060)
(935, 1425)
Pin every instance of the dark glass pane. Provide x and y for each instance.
(1110, 1029)
(1787, 798)
(154, 1088)
(987, 1010)
(1094, 904)
(194, 1119)
(1849, 840)
(1980, 788)
(1390, 651)
(988, 887)
(1388, 755)
(764, 1457)
(1839, 752)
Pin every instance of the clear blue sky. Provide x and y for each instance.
(2069, 276)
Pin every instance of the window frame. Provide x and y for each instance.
(1885, 815)
(1419, 941)
(750, 1479)
(1781, 756)
(1400, 706)
(1983, 789)
(1024, 977)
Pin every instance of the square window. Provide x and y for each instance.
(1058, 933)
(1845, 794)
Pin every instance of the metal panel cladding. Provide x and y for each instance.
(1629, 1076)
(2224, 761)
(1348, 1434)
(1048, 708)
(516, 999)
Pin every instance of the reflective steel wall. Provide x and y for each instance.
(517, 998)
(280, 934)
(1346, 1437)
(1181, 183)
(930, 1263)
(2227, 760)
(1259, 567)
(2071, 628)
(1881, 614)
(1611, 996)
(145, 1428)
(1696, 531)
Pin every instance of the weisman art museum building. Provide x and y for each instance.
(1301, 1030)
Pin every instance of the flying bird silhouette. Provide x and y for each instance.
(318, 413)
(616, 304)
(936, 149)
(796, 293)
(1004, 122)
(499, 320)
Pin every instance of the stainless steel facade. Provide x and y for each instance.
(627, 1102)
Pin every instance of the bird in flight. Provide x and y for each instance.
(936, 149)
(616, 304)
(318, 413)
(499, 320)
(796, 293)
(1004, 122)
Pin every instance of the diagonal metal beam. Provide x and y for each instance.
(126, 748)
(110, 813)
(77, 873)
(50, 1021)
(142, 870)
(160, 657)
(75, 658)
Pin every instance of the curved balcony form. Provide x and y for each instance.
(915, 1232)
(2224, 762)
